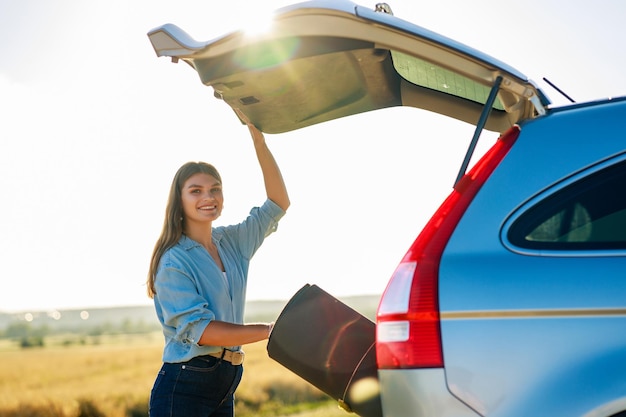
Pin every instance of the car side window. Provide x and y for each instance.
(589, 214)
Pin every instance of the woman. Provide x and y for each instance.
(197, 278)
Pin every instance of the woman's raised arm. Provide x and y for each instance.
(274, 185)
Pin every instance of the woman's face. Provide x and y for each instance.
(202, 198)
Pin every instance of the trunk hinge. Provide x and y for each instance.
(479, 127)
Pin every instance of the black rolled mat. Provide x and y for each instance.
(331, 346)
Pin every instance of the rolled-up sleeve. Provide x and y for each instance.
(191, 290)
(261, 222)
(182, 308)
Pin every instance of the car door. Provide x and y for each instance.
(531, 283)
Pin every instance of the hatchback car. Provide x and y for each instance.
(512, 300)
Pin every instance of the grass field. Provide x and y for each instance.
(113, 378)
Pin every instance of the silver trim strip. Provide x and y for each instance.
(516, 314)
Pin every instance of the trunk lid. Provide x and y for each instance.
(323, 60)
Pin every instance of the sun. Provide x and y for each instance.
(257, 20)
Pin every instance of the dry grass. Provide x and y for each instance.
(117, 375)
(111, 374)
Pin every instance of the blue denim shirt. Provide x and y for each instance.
(191, 290)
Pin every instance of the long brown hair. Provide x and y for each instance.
(174, 216)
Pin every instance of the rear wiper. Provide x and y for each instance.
(384, 8)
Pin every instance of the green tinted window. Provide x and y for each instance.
(425, 74)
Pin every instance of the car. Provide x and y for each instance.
(512, 299)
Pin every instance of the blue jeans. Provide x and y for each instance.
(202, 387)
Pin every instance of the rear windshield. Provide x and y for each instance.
(425, 74)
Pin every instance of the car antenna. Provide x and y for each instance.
(559, 90)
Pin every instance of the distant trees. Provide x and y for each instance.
(29, 335)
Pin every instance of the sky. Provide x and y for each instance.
(93, 127)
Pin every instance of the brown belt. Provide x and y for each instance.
(233, 356)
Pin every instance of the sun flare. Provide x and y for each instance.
(257, 20)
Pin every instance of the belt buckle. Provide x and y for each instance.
(237, 357)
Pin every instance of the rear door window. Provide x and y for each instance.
(589, 214)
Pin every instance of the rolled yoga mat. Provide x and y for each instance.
(331, 346)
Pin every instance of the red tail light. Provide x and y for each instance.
(407, 331)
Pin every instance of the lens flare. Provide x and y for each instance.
(364, 390)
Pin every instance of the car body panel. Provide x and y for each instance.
(539, 328)
(326, 60)
(398, 389)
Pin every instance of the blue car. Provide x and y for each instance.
(511, 302)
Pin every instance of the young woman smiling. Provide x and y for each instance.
(197, 278)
